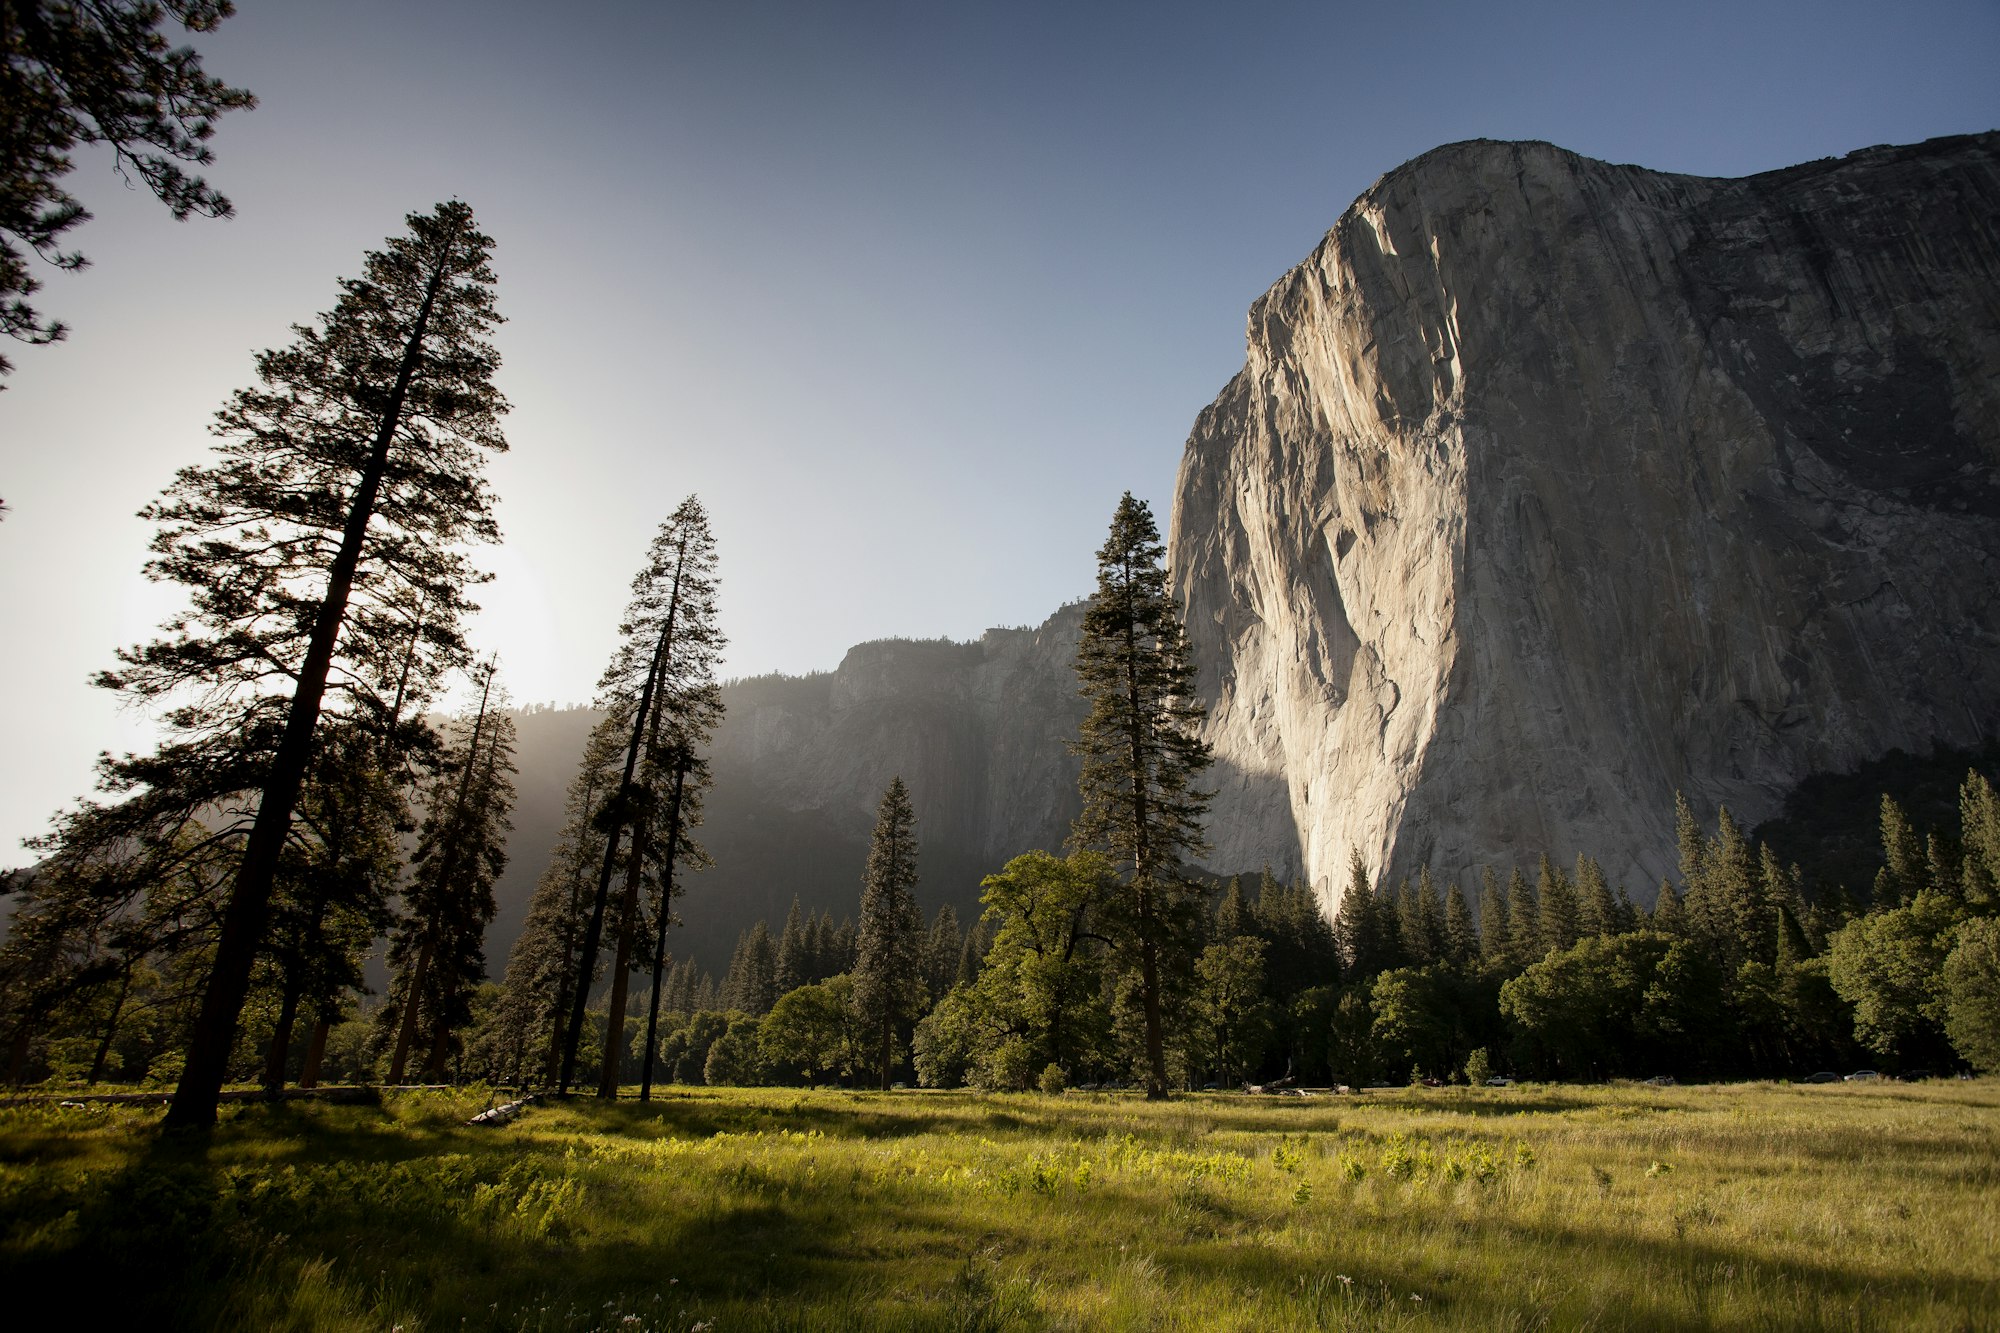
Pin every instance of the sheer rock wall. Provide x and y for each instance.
(1551, 486)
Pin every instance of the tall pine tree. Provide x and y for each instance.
(437, 948)
(346, 484)
(888, 979)
(1142, 756)
(661, 680)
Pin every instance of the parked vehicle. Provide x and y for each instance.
(1661, 1081)
(1497, 1082)
(1863, 1076)
(1823, 1076)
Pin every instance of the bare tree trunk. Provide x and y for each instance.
(249, 908)
(281, 1039)
(110, 1028)
(621, 975)
(406, 1022)
(17, 1058)
(593, 935)
(315, 1053)
(666, 914)
(440, 1052)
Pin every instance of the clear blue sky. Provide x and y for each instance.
(908, 293)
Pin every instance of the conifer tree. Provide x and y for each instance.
(1668, 918)
(819, 947)
(1232, 912)
(1597, 909)
(1904, 875)
(888, 982)
(794, 965)
(330, 899)
(661, 679)
(1561, 919)
(1357, 929)
(346, 485)
(752, 981)
(437, 948)
(1461, 938)
(843, 947)
(1495, 928)
(1430, 917)
(694, 709)
(1979, 821)
(941, 952)
(1142, 757)
(1524, 916)
(541, 968)
(1740, 926)
(100, 72)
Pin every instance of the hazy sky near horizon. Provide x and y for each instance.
(907, 293)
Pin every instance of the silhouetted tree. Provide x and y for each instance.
(542, 966)
(329, 526)
(437, 948)
(664, 662)
(330, 900)
(97, 72)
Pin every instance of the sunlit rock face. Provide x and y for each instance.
(1551, 486)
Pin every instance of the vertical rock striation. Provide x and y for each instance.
(1551, 486)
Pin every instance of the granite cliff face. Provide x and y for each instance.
(1551, 486)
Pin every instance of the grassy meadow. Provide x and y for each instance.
(1754, 1206)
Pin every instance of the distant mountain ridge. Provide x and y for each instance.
(978, 730)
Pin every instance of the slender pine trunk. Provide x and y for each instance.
(594, 933)
(608, 1077)
(406, 1022)
(660, 937)
(440, 1052)
(315, 1053)
(281, 1039)
(1142, 866)
(249, 906)
(110, 1028)
(17, 1058)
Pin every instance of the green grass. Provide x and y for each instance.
(1752, 1207)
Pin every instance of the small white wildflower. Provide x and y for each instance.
(1345, 1280)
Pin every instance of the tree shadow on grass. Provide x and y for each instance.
(198, 1232)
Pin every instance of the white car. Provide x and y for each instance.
(1863, 1076)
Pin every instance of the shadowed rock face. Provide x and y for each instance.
(1551, 486)
(978, 730)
